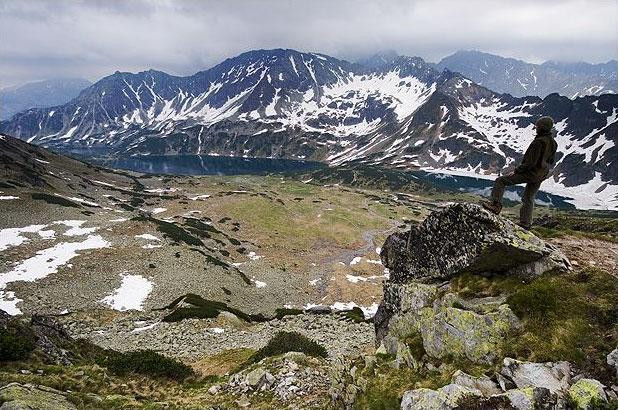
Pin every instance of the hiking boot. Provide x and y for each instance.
(492, 207)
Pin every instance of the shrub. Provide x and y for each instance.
(355, 314)
(200, 308)
(280, 313)
(16, 341)
(54, 200)
(284, 342)
(146, 362)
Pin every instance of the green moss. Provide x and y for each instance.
(146, 362)
(284, 342)
(470, 285)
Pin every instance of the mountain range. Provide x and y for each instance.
(38, 94)
(519, 78)
(399, 112)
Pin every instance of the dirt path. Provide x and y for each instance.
(589, 252)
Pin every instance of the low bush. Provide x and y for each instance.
(280, 313)
(54, 200)
(355, 314)
(196, 307)
(146, 362)
(284, 342)
(16, 341)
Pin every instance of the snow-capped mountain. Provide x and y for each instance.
(39, 94)
(398, 111)
(519, 78)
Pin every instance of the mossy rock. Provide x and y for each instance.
(585, 393)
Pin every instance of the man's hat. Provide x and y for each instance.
(544, 124)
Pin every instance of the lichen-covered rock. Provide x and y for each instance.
(428, 311)
(27, 396)
(444, 398)
(462, 238)
(454, 332)
(257, 378)
(555, 377)
(585, 391)
(406, 300)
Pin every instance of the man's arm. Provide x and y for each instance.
(531, 157)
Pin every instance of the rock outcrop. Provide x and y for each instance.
(518, 385)
(417, 301)
(467, 238)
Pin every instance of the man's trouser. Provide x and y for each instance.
(527, 200)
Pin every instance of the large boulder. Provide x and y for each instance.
(467, 238)
(462, 238)
(444, 398)
(555, 377)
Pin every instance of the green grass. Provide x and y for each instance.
(469, 285)
(595, 225)
(355, 315)
(571, 317)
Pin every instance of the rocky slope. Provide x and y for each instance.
(475, 313)
(519, 78)
(399, 112)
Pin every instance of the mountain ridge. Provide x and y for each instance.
(520, 78)
(39, 94)
(287, 104)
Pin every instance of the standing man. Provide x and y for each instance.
(533, 170)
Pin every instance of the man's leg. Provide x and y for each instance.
(501, 183)
(527, 204)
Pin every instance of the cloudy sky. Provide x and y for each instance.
(92, 38)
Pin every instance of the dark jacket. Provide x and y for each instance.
(539, 157)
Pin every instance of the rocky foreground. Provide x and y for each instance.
(476, 313)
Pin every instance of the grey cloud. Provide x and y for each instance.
(93, 38)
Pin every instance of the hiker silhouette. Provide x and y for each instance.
(533, 170)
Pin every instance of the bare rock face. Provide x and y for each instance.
(417, 302)
(555, 377)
